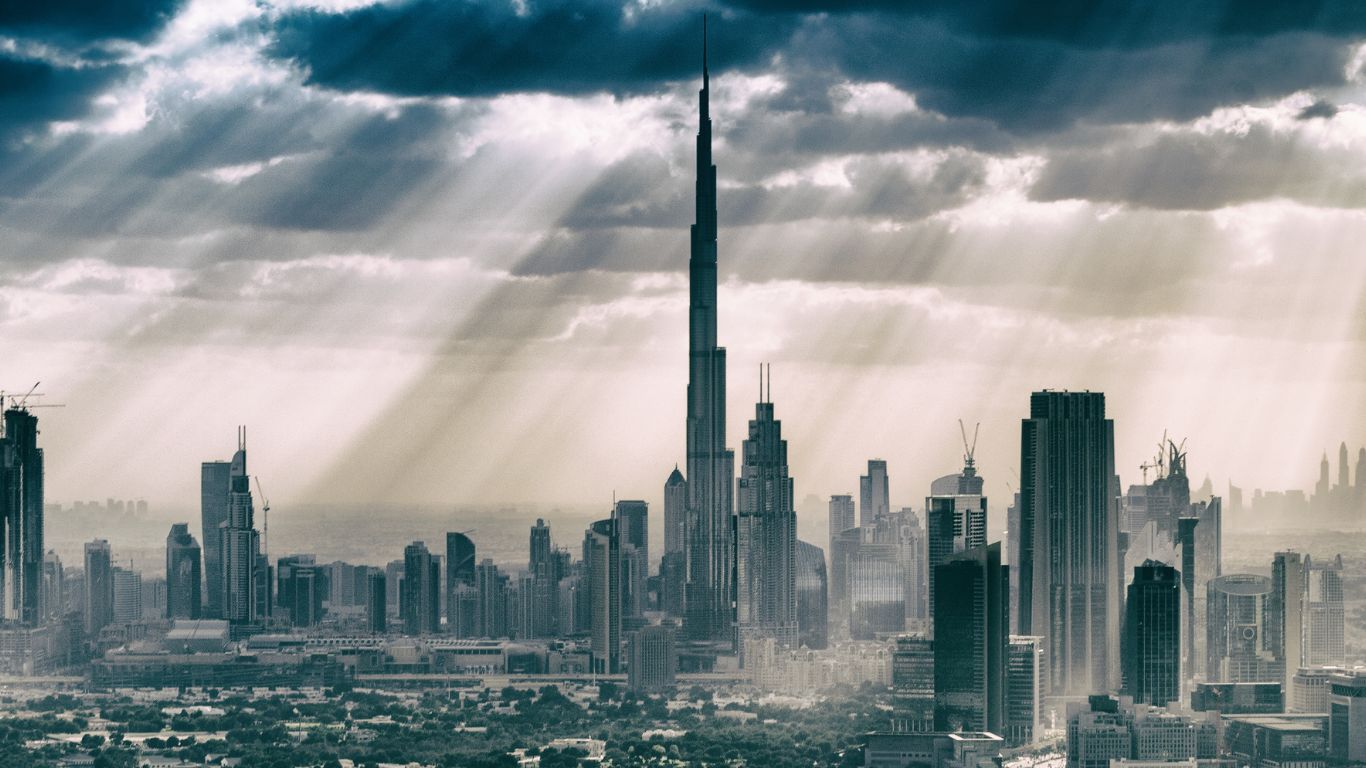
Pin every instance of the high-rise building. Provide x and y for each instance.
(376, 612)
(492, 587)
(1025, 681)
(1013, 559)
(462, 604)
(420, 605)
(1347, 717)
(1238, 645)
(21, 518)
(602, 554)
(633, 520)
(913, 684)
(542, 613)
(241, 550)
(766, 534)
(970, 660)
(711, 466)
(913, 551)
(182, 573)
(873, 492)
(1206, 564)
(956, 518)
(652, 658)
(127, 595)
(1323, 613)
(673, 571)
(53, 587)
(215, 480)
(1069, 546)
(841, 516)
(301, 584)
(99, 587)
(877, 589)
(1152, 635)
(1285, 614)
(813, 610)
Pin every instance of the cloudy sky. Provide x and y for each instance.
(436, 251)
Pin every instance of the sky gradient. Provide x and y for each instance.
(436, 251)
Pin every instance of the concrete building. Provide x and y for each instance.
(99, 587)
(602, 554)
(874, 493)
(1069, 547)
(1323, 613)
(1240, 649)
(813, 609)
(913, 684)
(1152, 635)
(1025, 680)
(652, 658)
(970, 661)
(183, 599)
(127, 595)
(1309, 689)
(765, 534)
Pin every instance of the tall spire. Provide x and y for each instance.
(704, 49)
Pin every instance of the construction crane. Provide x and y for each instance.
(265, 519)
(969, 450)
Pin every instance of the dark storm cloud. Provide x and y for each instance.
(1029, 67)
(1321, 108)
(1198, 171)
(426, 47)
(35, 92)
(80, 21)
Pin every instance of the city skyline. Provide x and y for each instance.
(948, 240)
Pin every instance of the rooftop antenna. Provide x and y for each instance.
(769, 396)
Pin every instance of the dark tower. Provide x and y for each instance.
(21, 517)
(710, 590)
(1152, 635)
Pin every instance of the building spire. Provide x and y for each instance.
(704, 49)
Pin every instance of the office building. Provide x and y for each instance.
(970, 664)
(542, 612)
(602, 554)
(913, 684)
(652, 658)
(1025, 681)
(813, 610)
(874, 493)
(419, 603)
(215, 481)
(21, 519)
(99, 587)
(492, 610)
(127, 595)
(1323, 613)
(1347, 716)
(841, 516)
(710, 464)
(1238, 644)
(1309, 689)
(766, 534)
(462, 604)
(182, 573)
(1070, 583)
(1208, 564)
(1152, 635)
(955, 517)
(1285, 612)
(1238, 698)
(673, 573)
(877, 590)
(241, 551)
(300, 589)
(633, 519)
(376, 611)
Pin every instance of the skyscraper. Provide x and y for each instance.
(1285, 614)
(841, 516)
(971, 635)
(602, 553)
(673, 571)
(766, 534)
(21, 518)
(99, 587)
(182, 573)
(1238, 647)
(215, 479)
(492, 587)
(300, 591)
(545, 584)
(127, 595)
(1025, 679)
(633, 521)
(956, 518)
(420, 605)
(711, 466)
(652, 658)
(1152, 635)
(873, 492)
(241, 544)
(1069, 547)
(913, 684)
(1323, 613)
(813, 609)
(462, 604)
(376, 612)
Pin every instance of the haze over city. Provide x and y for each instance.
(436, 252)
